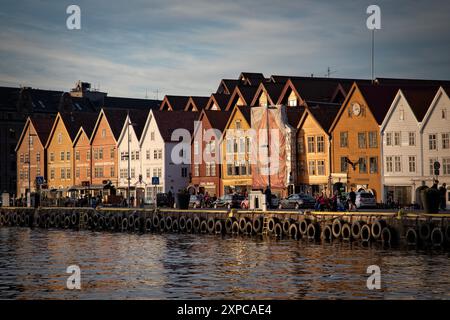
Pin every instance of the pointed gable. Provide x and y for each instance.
(174, 103)
(196, 103)
(218, 102)
(272, 92)
(242, 96)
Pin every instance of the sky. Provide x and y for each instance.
(135, 48)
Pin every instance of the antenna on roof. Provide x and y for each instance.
(157, 94)
(329, 72)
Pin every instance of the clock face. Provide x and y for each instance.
(356, 109)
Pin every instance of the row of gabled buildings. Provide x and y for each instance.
(382, 136)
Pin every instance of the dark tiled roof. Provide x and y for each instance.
(410, 82)
(218, 120)
(247, 93)
(138, 118)
(221, 100)
(274, 90)
(116, 120)
(379, 98)
(129, 103)
(294, 115)
(246, 112)
(447, 90)
(74, 120)
(227, 86)
(177, 102)
(324, 113)
(315, 89)
(43, 126)
(200, 102)
(169, 121)
(419, 99)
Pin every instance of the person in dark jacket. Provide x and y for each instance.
(268, 194)
(352, 196)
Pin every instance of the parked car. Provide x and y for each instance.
(195, 202)
(228, 201)
(365, 200)
(162, 200)
(274, 201)
(297, 201)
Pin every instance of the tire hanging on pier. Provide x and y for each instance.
(124, 224)
(293, 231)
(271, 224)
(278, 230)
(219, 227)
(248, 228)
(242, 224)
(148, 225)
(313, 231)
(346, 232)
(182, 223)
(365, 233)
(258, 225)
(196, 224)
(303, 226)
(336, 227)
(169, 221)
(437, 237)
(327, 233)
(189, 225)
(175, 226)
(424, 231)
(211, 225)
(155, 221)
(235, 227)
(377, 228)
(388, 235)
(229, 224)
(162, 224)
(203, 226)
(356, 229)
(411, 237)
(286, 225)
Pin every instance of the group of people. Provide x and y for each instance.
(337, 202)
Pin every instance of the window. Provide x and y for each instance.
(235, 145)
(77, 172)
(103, 133)
(444, 114)
(362, 165)
(243, 168)
(88, 172)
(207, 171)
(311, 145)
(389, 164)
(312, 168)
(373, 164)
(133, 173)
(229, 169)
(197, 170)
(60, 138)
(184, 172)
(432, 141)
(362, 140)
(68, 173)
(38, 156)
(321, 167)
(446, 166)
(373, 140)
(52, 157)
(159, 153)
(397, 138)
(412, 163)
(229, 145)
(88, 155)
(147, 154)
(77, 155)
(111, 172)
(397, 164)
(412, 138)
(389, 138)
(402, 114)
(68, 156)
(238, 125)
(100, 153)
(152, 136)
(112, 151)
(27, 160)
(431, 163)
(21, 158)
(31, 140)
(132, 155)
(62, 155)
(242, 145)
(213, 169)
(320, 144)
(445, 140)
(96, 154)
(292, 102)
(247, 144)
(63, 173)
(52, 174)
(236, 168)
(98, 172)
(344, 164)
(344, 139)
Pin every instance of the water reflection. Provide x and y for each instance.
(159, 266)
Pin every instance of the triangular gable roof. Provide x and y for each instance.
(246, 113)
(322, 113)
(217, 120)
(87, 127)
(138, 119)
(419, 99)
(196, 103)
(246, 93)
(115, 119)
(72, 122)
(272, 90)
(252, 78)
(294, 115)
(173, 103)
(42, 126)
(227, 86)
(441, 92)
(221, 100)
(168, 122)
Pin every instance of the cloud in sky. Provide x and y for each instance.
(186, 47)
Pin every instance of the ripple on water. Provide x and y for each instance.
(175, 266)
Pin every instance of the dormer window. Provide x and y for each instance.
(402, 114)
(444, 114)
(292, 103)
(238, 125)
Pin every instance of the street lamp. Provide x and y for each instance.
(29, 165)
(129, 123)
